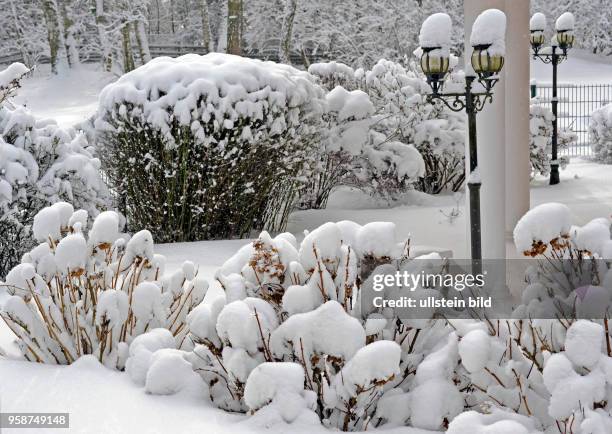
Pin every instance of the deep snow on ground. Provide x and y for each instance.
(580, 67)
(69, 98)
(103, 401)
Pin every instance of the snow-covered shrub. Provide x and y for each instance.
(208, 146)
(540, 140)
(40, 164)
(10, 79)
(569, 281)
(91, 290)
(401, 120)
(355, 154)
(438, 133)
(286, 302)
(600, 134)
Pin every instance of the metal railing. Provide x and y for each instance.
(174, 50)
(576, 103)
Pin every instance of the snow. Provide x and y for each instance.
(497, 422)
(71, 253)
(142, 348)
(537, 22)
(105, 229)
(325, 330)
(543, 223)
(475, 350)
(489, 28)
(11, 73)
(583, 343)
(355, 104)
(268, 380)
(565, 22)
(375, 362)
(169, 372)
(69, 98)
(47, 225)
(436, 32)
(377, 239)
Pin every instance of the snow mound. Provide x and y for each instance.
(142, 349)
(169, 372)
(268, 380)
(436, 31)
(490, 29)
(543, 223)
(14, 72)
(565, 22)
(537, 22)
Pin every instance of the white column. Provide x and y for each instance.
(491, 149)
(517, 112)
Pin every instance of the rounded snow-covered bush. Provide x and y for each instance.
(94, 291)
(402, 143)
(600, 133)
(208, 146)
(40, 164)
(307, 303)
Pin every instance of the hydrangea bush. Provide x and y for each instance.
(40, 164)
(208, 146)
(401, 120)
(290, 339)
(600, 134)
(92, 290)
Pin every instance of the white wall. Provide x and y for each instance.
(503, 128)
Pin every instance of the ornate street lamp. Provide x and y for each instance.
(487, 61)
(561, 42)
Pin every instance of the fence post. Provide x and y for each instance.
(534, 88)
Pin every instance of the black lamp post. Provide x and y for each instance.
(486, 65)
(561, 43)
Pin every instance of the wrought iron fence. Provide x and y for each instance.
(576, 103)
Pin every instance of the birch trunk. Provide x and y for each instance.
(128, 58)
(142, 42)
(72, 51)
(287, 32)
(101, 23)
(57, 49)
(205, 25)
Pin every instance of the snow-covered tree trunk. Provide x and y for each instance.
(287, 31)
(101, 22)
(205, 24)
(142, 41)
(57, 50)
(72, 50)
(234, 26)
(128, 58)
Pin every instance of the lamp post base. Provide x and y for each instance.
(554, 174)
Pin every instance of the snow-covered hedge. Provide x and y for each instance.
(401, 119)
(92, 290)
(540, 140)
(41, 164)
(208, 146)
(600, 134)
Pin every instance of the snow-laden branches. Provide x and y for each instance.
(91, 290)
